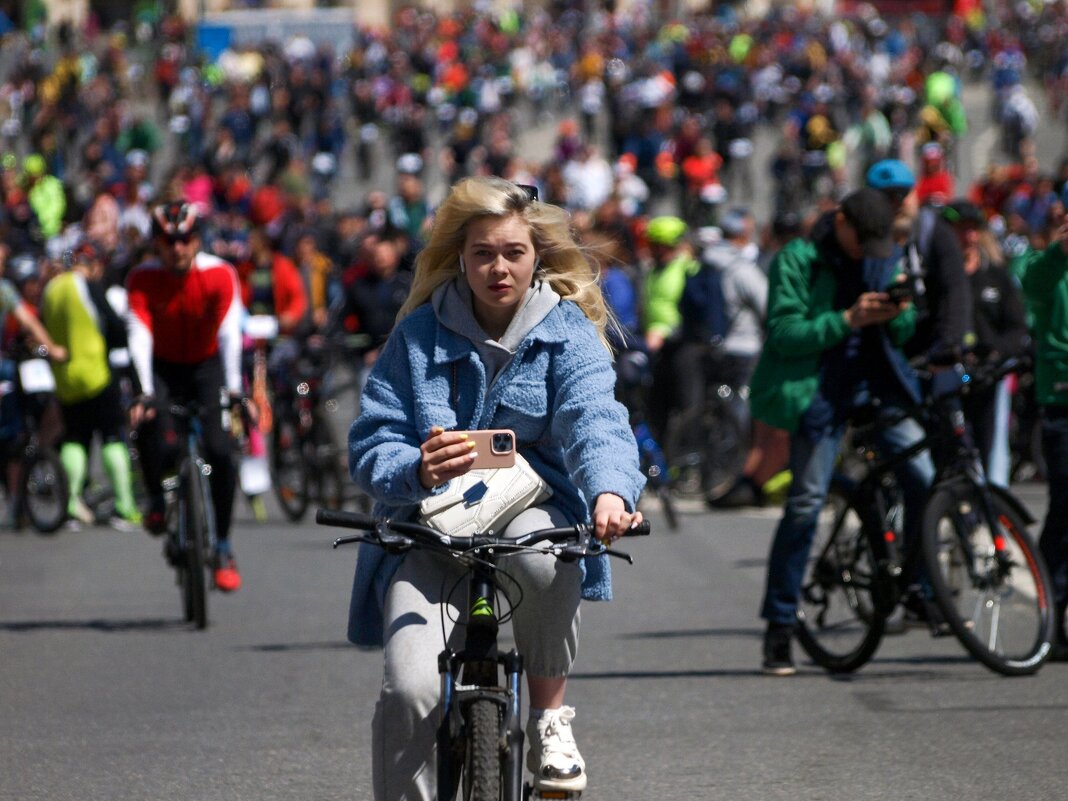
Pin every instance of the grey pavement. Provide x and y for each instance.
(105, 695)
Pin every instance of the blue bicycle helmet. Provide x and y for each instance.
(890, 174)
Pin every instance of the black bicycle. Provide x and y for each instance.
(988, 581)
(306, 461)
(706, 445)
(480, 739)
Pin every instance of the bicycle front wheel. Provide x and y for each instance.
(989, 580)
(706, 449)
(193, 535)
(840, 615)
(482, 763)
(45, 491)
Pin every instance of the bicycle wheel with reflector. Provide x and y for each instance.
(839, 622)
(989, 580)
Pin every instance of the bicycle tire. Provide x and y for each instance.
(1001, 611)
(706, 448)
(482, 760)
(44, 492)
(841, 619)
(289, 472)
(195, 539)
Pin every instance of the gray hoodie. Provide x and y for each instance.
(745, 293)
(452, 306)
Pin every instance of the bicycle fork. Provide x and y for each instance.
(473, 674)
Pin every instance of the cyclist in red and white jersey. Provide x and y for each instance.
(185, 344)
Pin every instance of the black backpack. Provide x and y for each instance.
(704, 307)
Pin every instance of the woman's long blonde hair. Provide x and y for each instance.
(563, 263)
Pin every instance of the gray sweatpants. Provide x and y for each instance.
(426, 586)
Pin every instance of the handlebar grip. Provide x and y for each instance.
(640, 530)
(332, 517)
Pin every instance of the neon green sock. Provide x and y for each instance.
(116, 459)
(75, 462)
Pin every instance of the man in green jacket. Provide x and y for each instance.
(833, 345)
(1045, 285)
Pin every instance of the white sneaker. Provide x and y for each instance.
(554, 758)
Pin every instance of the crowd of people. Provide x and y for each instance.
(151, 204)
(314, 173)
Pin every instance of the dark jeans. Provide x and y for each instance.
(1054, 540)
(181, 383)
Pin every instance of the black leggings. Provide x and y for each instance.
(181, 383)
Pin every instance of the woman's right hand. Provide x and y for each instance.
(445, 455)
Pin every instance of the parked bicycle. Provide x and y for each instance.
(480, 738)
(306, 460)
(706, 445)
(988, 582)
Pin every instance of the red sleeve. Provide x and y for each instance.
(290, 299)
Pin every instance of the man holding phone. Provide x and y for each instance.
(833, 345)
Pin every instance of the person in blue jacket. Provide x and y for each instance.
(504, 328)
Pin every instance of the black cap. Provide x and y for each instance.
(870, 214)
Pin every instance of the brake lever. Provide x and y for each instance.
(350, 539)
(619, 555)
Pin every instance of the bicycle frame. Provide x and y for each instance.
(957, 463)
(193, 436)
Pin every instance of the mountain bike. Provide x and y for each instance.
(480, 737)
(988, 583)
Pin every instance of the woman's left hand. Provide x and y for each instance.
(611, 518)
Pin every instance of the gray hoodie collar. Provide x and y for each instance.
(453, 307)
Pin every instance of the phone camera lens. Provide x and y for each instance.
(502, 443)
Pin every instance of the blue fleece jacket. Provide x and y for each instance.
(556, 394)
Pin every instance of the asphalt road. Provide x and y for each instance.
(104, 694)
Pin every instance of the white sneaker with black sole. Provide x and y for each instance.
(554, 758)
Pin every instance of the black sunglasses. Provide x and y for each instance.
(532, 191)
(176, 239)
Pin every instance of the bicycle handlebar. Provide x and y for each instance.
(577, 540)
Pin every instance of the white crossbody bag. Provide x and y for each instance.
(484, 501)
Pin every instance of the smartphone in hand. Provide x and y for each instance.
(899, 292)
(495, 448)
